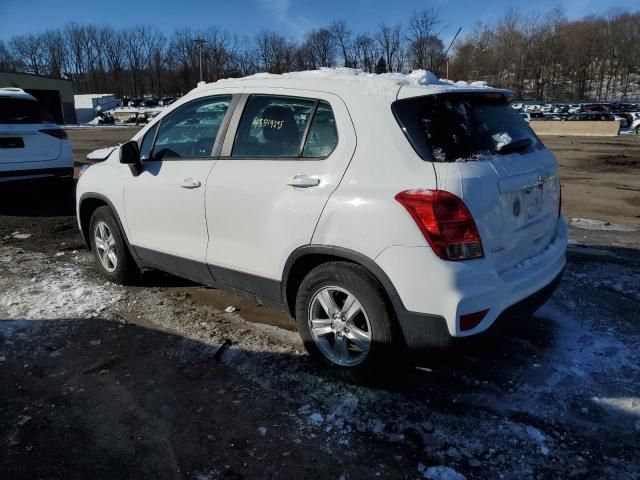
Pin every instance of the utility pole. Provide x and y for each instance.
(200, 42)
(446, 53)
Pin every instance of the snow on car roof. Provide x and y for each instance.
(354, 81)
(15, 93)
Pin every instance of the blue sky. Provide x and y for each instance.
(291, 18)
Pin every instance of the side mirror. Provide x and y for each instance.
(130, 153)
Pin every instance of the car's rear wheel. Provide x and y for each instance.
(343, 317)
(110, 251)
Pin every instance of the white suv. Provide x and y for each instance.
(31, 144)
(380, 211)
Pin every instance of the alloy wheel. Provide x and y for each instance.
(105, 246)
(339, 326)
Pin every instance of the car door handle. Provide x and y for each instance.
(190, 183)
(303, 181)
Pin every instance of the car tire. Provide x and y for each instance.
(110, 251)
(353, 341)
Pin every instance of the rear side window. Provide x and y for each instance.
(22, 111)
(191, 130)
(272, 127)
(460, 126)
(323, 134)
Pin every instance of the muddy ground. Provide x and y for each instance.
(156, 381)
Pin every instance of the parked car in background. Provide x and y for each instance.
(149, 103)
(135, 102)
(591, 116)
(166, 101)
(259, 185)
(595, 108)
(32, 145)
(635, 122)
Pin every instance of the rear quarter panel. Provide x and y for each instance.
(362, 214)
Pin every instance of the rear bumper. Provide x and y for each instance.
(29, 174)
(434, 293)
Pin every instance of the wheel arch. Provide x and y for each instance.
(305, 259)
(88, 204)
(417, 331)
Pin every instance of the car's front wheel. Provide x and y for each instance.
(109, 249)
(343, 317)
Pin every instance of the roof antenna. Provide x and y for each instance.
(447, 51)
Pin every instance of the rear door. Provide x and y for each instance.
(283, 157)
(485, 153)
(23, 132)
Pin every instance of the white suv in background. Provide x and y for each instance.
(32, 145)
(380, 211)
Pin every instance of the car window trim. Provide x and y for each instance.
(212, 154)
(303, 140)
(227, 150)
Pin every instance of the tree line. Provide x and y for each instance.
(538, 56)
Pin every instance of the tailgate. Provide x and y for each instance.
(25, 143)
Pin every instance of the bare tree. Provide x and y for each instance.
(319, 48)
(342, 37)
(425, 48)
(141, 42)
(32, 52)
(7, 61)
(115, 50)
(56, 53)
(366, 53)
(388, 39)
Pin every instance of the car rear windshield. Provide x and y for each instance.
(22, 111)
(453, 127)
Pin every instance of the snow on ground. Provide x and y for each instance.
(51, 290)
(590, 224)
(527, 403)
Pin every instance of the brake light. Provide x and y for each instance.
(445, 222)
(55, 132)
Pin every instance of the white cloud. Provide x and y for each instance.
(295, 24)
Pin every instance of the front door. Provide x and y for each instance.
(164, 204)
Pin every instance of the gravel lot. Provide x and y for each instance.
(156, 381)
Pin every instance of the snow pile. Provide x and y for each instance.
(375, 83)
(590, 224)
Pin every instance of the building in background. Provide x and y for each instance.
(55, 94)
(86, 105)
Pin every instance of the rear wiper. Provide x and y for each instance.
(514, 146)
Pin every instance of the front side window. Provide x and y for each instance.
(190, 131)
(272, 126)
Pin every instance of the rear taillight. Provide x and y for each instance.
(445, 222)
(55, 132)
